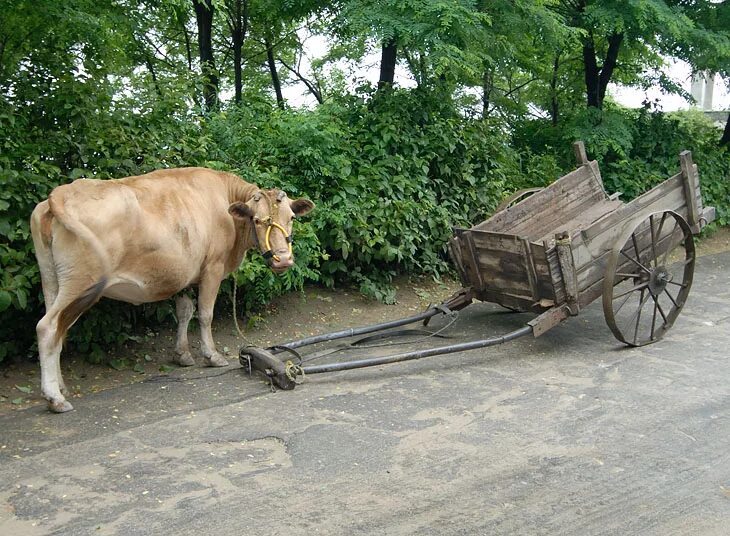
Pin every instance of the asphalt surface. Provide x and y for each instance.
(567, 434)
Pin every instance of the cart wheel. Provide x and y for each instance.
(648, 278)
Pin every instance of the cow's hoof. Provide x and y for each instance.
(217, 360)
(185, 359)
(60, 406)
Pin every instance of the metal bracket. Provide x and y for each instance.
(255, 358)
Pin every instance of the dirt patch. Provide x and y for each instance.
(296, 315)
(316, 310)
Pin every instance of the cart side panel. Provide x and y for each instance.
(461, 249)
(559, 202)
(502, 264)
(507, 269)
(592, 247)
(669, 195)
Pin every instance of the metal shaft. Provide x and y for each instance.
(417, 354)
(351, 332)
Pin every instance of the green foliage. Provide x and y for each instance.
(109, 89)
(636, 149)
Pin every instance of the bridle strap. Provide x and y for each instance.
(268, 253)
(272, 224)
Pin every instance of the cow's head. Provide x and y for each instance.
(271, 214)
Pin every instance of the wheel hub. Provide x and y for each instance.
(658, 279)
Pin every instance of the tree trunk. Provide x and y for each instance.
(725, 140)
(204, 11)
(387, 63)
(487, 84)
(591, 73)
(238, 24)
(153, 74)
(614, 45)
(188, 50)
(554, 105)
(274, 73)
(596, 78)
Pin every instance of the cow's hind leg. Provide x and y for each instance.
(49, 349)
(210, 282)
(51, 330)
(184, 310)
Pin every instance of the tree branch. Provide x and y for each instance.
(310, 86)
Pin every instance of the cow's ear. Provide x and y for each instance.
(302, 206)
(240, 210)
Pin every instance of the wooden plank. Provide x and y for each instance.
(508, 219)
(556, 276)
(545, 286)
(504, 271)
(584, 219)
(485, 240)
(548, 320)
(579, 149)
(530, 269)
(553, 219)
(474, 270)
(690, 183)
(666, 195)
(454, 248)
(567, 267)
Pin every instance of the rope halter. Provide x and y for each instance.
(271, 224)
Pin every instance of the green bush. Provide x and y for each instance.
(636, 149)
(390, 173)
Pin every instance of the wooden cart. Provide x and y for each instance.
(551, 253)
(568, 244)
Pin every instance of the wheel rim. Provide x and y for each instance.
(648, 278)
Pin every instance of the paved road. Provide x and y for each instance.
(567, 434)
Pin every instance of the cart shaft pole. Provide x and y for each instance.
(418, 354)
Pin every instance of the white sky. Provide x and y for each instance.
(681, 73)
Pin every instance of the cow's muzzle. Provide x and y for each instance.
(281, 260)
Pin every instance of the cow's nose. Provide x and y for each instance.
(285, 261)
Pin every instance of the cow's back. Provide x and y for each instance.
(157, 230)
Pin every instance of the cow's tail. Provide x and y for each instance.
(93, 293)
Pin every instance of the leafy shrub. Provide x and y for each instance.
(636, 149)
(390, 173)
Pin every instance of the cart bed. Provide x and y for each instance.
(552, 248)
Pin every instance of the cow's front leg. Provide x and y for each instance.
(210, 282)
(184, 312)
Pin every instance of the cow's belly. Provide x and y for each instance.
(136, 290)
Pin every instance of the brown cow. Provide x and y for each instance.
(143, 239)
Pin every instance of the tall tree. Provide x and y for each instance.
(388, 60)
(204, 12)
(641, 32)
(271, 62)
(237, 15)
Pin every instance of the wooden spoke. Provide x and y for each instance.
(637, 263)
(653, 241)
(640, 286)
(674, 302)
(642, 301)
(628, 296)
